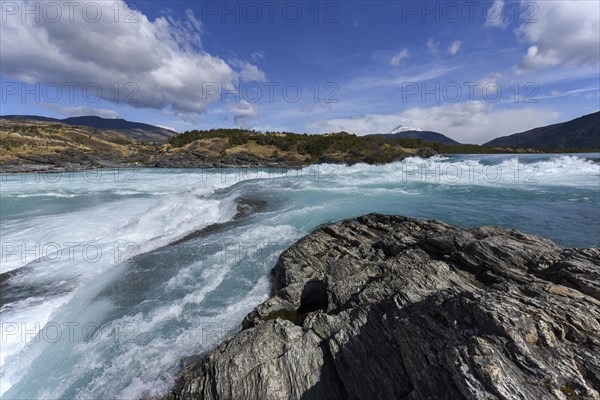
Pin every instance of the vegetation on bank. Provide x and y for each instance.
(57, 144)
(369, 149)
(333, 147)
(52, 143)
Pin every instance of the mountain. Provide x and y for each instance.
(135, 130)
(400, 129)
(405, 132)
(580, 133)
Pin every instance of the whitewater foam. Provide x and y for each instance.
(151, 307)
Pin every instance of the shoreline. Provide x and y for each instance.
(15, 169)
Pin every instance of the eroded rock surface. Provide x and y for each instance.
(388, 307)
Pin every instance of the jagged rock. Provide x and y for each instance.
(388, 307)
(425, 152)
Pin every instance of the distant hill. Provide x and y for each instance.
(42, 145)
(402, 132)
(45, 144)
(580, 133)
(135, 130)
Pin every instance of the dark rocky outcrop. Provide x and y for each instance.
(237, 160)
(387, 307)
(425, 152)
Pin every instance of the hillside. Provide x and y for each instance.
(135, 130)
(41, 144)
(582, 132)
(297, 149)
(45, 145)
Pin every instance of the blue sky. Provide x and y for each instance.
(471, 70)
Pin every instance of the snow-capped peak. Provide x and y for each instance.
(401, 128)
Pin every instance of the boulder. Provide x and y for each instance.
(425, 152)
(389, 307)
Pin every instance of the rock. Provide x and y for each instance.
(425, 152)
(388, 307)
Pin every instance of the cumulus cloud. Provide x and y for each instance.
(454, 47)
(432, 46)
(397, 59)
(249, 72)
(563, 32)
(243, 112)
(471, 122)
(162, 58)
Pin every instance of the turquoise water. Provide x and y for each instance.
(106, 282)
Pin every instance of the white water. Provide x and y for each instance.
(100, 306)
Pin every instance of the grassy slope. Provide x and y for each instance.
(340, 147)
(39, 142)
(39, 139)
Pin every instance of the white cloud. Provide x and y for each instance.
(562, 32)
(536, 60)
(80, 111)
(572, 93)
(494, 13)
(163, 58)
(243, 112)
(167, 127)
(249, 72)
(493, 77)
(258, 56)
(454, 47)
(397, 59)
(432, 46)
(470, 122)
(423, 73)
(198, 25)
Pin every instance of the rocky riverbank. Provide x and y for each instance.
(30, 145)
(74, 161)
(387, 307)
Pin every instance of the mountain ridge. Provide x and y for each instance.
(136, 130)
(402, 128)
(401, 132)
(581, 132)
(34, 143)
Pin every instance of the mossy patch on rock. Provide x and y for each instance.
(293, 316)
